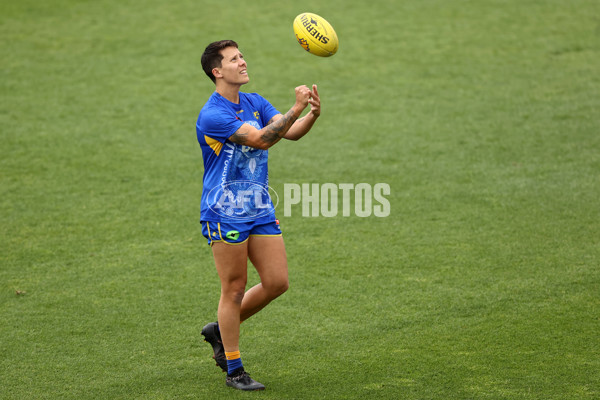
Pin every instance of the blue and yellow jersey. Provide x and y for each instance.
(236, 179)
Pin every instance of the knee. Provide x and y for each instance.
(234, 292)
(277, 288)
(285, 286)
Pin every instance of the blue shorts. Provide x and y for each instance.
(237, 232)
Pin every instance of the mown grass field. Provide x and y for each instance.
(483, 283)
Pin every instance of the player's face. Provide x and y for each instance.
(233, 66)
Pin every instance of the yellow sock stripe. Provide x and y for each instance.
(232, 355)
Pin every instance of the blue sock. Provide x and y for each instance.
(234, 361)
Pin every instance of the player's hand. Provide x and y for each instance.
(302, 96)
(315, 102)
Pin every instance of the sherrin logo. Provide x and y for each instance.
(312, 27)
(315, 35)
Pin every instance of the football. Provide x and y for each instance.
(315, 35)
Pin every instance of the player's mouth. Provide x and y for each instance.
(243, 72)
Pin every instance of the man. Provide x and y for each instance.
(235, 131)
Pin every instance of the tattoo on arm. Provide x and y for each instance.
(277, 129)
(273, 120)
(239, 137)
(274, 130)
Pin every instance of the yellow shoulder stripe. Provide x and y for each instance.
(214, 144)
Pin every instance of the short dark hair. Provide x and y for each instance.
(212, 57)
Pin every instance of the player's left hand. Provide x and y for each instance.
(315, 101)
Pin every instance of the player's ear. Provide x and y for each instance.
(217, 73)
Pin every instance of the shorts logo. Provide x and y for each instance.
(232, 235)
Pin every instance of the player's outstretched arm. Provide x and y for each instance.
(303, 125)
(269, 135)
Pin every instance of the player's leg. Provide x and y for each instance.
(267, 254)
(231, 264)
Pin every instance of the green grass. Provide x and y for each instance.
(483, 283)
